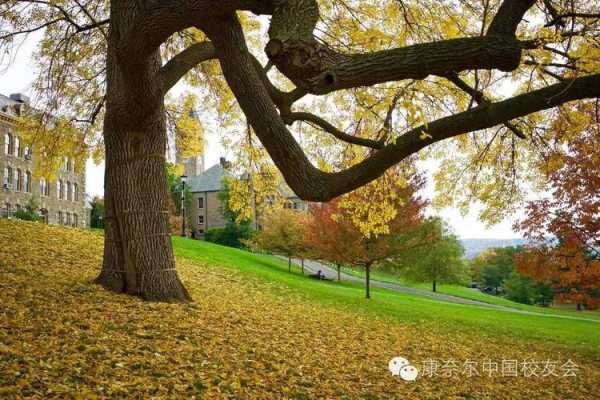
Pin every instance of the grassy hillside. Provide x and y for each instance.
(472, 294)
(253, 331)
(408, 308)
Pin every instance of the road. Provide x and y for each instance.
(314, 266)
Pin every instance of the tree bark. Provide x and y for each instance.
(302, 262)
(338, 272)
(138, 254)
(289, 264)
(434, 286)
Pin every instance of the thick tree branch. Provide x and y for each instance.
(183, 62)
(312, 184)
(316, 68)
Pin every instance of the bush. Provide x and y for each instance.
(233, 235)
(27, 215)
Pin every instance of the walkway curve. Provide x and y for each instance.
(314, 266)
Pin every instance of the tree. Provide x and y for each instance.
(116, 61)
(282, 232)
(566, 226)
(499, 265)
(339, 233)
(439, 260)
(97, 213)
(525, 290)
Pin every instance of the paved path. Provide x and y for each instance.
(314, 266)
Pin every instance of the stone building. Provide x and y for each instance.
(61, 201)
(206, 207)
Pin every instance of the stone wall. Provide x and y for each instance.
(51, 203)
(211, 211)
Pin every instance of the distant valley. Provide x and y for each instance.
(473, 247)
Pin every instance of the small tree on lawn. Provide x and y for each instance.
(282, 233)
(439, 260)
(343, 234)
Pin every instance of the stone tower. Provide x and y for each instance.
(192, 166)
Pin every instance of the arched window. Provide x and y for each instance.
(75, 192)
(28, 182)
(7, 143)
(69, 191)
(18, 180)
(8, 175)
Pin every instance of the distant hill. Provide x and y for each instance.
(475, 246)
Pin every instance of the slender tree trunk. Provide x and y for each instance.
(302, 262)
(368, 280)
(434, 286)
(338, 272)
(578, 306)
(138, 254)
(289, 264)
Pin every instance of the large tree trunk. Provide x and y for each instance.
(138, 254)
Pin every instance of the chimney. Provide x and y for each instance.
(224, 163)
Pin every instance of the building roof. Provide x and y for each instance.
(209, 181)
(5, 102)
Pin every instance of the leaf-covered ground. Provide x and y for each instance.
(243, 337)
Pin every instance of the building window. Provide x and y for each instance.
(68, 218)
(18, 180)
(201, 231)
(7, 210)
(27, 152)
(60, 217)
(200, 202)
(75, 192)
(69, 191)
(200, 219)
(18, 149)
(44, 215)
(43, 187)
(8, 176)
(28, 182)
(8, 143)
(60, 189)
(75, 220)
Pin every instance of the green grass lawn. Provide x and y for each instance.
(468, 293)
(412, 309)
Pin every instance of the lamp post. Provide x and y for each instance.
(183, 179)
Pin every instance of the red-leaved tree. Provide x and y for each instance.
(567, 225)
(332, 233)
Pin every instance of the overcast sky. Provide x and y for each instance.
(17, 77)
